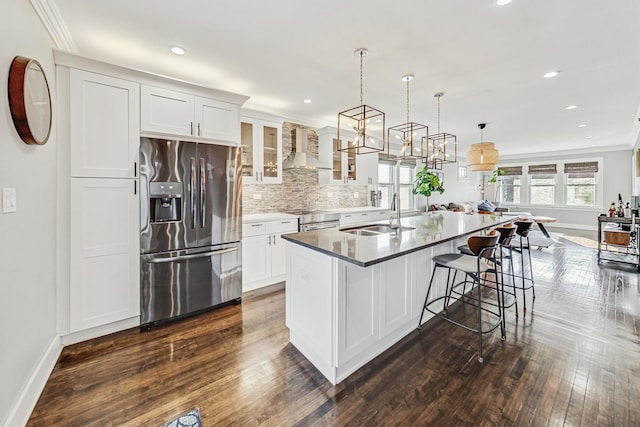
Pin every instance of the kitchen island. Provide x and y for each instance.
(350, 296)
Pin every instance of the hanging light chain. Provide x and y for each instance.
(361, 62)
(408, 80)
(439, 113)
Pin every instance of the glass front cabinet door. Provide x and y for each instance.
(346, 166)
(261, 142)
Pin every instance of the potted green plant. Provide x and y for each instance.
(426, 183)
(494, 180)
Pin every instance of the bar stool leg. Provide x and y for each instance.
(513, 279)
(533, 288)
(480, 358)
(426, 299)
(524, 295)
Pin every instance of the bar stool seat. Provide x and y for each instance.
(475, 267)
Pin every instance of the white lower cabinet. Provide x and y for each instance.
(355, 218)
(340, 315)
(263, 252)
(104, 270)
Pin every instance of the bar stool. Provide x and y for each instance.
(521, 245)
(474, 266)
(504, 254)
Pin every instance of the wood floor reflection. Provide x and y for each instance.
(573, 359)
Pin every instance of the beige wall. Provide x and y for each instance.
(27, 253)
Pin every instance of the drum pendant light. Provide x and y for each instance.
(482, 156)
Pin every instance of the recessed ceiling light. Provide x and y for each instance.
(551, 74)
(588, 137)
(177, 50)
(502, 2)
(582, 126)
(307, 101)
(571, 107)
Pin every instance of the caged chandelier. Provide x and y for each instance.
(367, 122)
(410, 134)
(441, 147)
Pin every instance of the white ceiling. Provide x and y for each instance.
(488, 59)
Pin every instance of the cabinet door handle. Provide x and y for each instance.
(199, 132)
(274, 240)
(269, 240)
(256, 225)
(135, 169)
(135, 187)
(191, 128)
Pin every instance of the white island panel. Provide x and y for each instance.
(349, 298)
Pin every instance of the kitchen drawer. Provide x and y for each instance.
(254, 229)
(283, 226)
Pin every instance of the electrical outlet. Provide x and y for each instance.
(356, 195)
(9, 200)
(257, 196)
(329, 195)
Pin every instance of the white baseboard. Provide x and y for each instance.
(246, 287)
(28, 398)
(573, 226)
(98, 331)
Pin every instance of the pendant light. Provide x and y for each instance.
(410, 134)
(367, 122)
(441, 147)
(482, 156)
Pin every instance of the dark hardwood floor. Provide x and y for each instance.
(572, 359)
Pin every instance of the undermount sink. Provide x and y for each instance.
(374, 230)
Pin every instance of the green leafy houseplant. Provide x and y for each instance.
(426, 183)
(494, 180)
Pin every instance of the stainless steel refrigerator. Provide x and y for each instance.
(190, 228)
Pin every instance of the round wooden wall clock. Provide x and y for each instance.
(30, 100)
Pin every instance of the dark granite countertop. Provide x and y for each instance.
(429, 230)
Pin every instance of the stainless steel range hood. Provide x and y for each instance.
(299, 157)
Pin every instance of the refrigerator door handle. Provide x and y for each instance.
(193, 192)
(203, 188)
(192, 256)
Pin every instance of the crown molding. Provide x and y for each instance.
(48, 12)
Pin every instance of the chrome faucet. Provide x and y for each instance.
(395, 206)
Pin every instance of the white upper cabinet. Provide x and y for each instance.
(104, 125)
(261, 142)
(346, 166)
(170, 112)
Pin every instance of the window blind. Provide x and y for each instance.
(512, 170)
(543, 169)
(581, 167)
(385, 159)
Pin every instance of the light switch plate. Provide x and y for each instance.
(257, 196)
(355, 195)
(9, 200)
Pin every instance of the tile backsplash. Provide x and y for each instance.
(300, 188)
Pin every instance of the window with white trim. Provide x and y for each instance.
(389, 171)
(542, 184)
(405, 191)
(581, 183)
(510, 185)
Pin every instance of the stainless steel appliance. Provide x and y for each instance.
(190, 228)
(315, 219)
